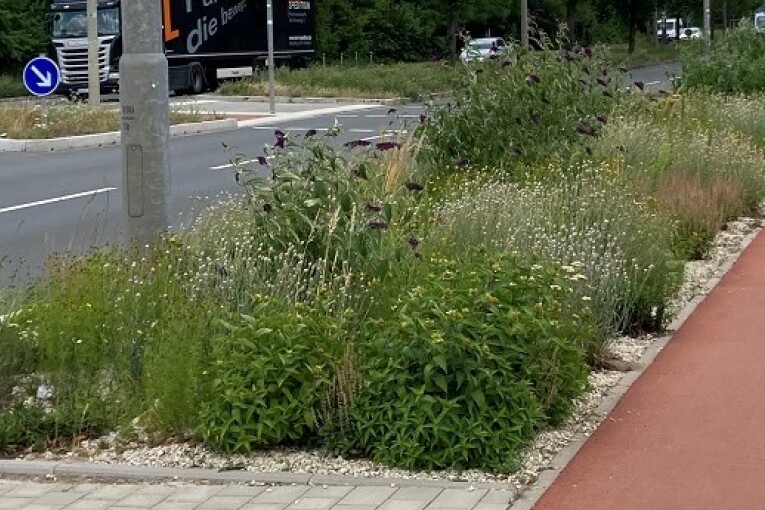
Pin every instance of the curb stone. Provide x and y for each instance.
(529, 496)
(83, 469)
(107, 139)
(304, 100)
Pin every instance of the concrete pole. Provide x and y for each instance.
(271, 63)
(525, 23)
(707, 25)
(94, 71)
(145, 122)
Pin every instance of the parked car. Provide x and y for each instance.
(484, 48)
(691, 33)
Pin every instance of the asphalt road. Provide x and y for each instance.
(71, 201)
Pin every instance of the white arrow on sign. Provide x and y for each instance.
(46, 80)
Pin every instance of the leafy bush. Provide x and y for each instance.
(735, 65)
(271, 373)
(463, 368)
(526, 109)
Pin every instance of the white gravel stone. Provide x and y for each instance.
(537, 458)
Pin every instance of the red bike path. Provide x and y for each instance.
(690, 433)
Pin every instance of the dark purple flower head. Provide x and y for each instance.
(372, 208)
(569, 57)
(479, 71)
(386, 146)
(423, 118)
(533, 79)
(413, 186)
(413, 242)
(358, 143)
(310, 133)
(377, 225)
(262, 160)
(267, 207)
(461, 162)
(279, 133)
(586, 130)
(588, 52)
(602, 119)
(640, 85)
(280, 142)
(392, 110)
(221, 270)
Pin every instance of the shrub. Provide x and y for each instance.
(735, 65)
(270, 375)
(526, 109)
(463, 368)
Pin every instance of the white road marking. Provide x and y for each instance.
(287, 129)
(653, 83)
(349, 116)
(363, 130)
(56, 199)
(377, 116)
(243, 162)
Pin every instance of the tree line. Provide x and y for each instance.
(409, 30)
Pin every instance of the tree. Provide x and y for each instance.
(22, 31)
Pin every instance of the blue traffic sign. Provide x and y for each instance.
(41, 76)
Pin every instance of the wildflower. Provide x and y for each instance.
(640, 85)
(262, 160)
(221, 270)
(602, 119)
(386, 146)
(578, 277)
(378, 225)
(279, 133)
(413, 242)
(267, 207)
(280, 142)
(461, 162)
(413, 186)
(478, 71)
(586, 298)
(555, 287)
(310, 133)
(358, 143)
(423, 118)
(588, 52)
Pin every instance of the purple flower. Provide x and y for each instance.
(602, 119)
(413, 242)
(262, 160)
(377, 225)
(569, 57)
(461, 162)
(386, 146)
(358, 143)
(640, 85)
(413, 186)
(280, 142)
(423, 118)
(267, 208)
(588, 52)
(310, 133)
(479, 71)
(279, 133)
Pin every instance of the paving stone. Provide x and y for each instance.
(354, 507)
(127, 508)
(9, 503)
(58, 498)
(90, 504)
(30, 490)
(281, 494)
(312, 504)
(197, 493)
(111, 492)
(403, 504)
(141, 500)
(35, 506)
(264, 506)
(224, 503)
(458, 498)
(489, 506)
(368, 496)
(242, 490)
(174, 505)
(164, 490)
(417, 493)
(329, 491)
(494, 496)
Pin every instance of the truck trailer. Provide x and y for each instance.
(200, 37)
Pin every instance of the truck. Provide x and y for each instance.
(759, 20)
(669, 27)
(200, 37)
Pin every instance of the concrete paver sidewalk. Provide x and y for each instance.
(88, 496)
(689, 434)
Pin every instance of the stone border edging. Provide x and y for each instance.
(106, 139)
(120, 472)
(303, 100)
(529, 497)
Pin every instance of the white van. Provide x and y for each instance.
(669, 28)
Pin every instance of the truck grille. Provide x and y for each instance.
(73, 62)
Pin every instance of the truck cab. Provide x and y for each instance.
(69, 38)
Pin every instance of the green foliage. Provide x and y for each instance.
(530, 108)
(470, 360)
(736, 64)
(269, 376)
(22, 31)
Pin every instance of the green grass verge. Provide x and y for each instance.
(646, 53)
(410, 81)
(11, 86)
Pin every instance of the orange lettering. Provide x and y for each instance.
(170, 32)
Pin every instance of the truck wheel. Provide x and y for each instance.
(196, 79)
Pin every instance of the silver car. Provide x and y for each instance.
(484, 48)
